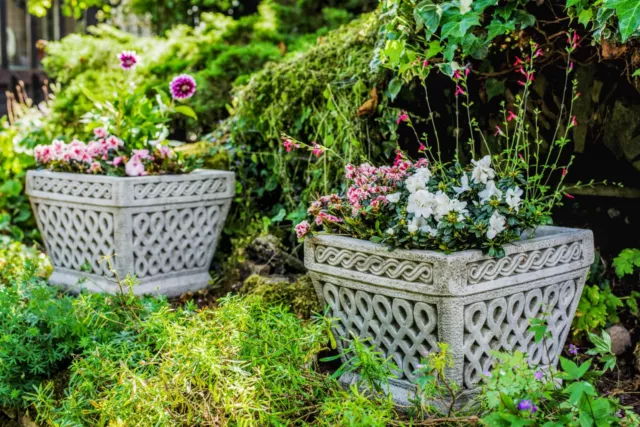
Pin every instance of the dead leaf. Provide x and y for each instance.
(370, 105)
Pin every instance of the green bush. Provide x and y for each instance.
(244, 363)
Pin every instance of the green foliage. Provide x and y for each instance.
(598, 307)
(299, 296)
(244, 363)
(355, 408)
(516, 393)
(627, 262)
(314, 96)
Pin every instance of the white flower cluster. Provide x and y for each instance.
(430, 208)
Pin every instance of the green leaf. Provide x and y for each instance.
(626, 262)
(494, 87)
(481, 5)
(524, 19)
(460, 28)
(585, 17)
(497, 28)
(636, 73)
(394, 88)
(434, 49)
(11, 188)
(187, 111)
(429, 15)
(628, 12)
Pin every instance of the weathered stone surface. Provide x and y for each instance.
(407, 301)
(163, 229)
(620, 339)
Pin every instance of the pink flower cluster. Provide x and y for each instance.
(103, 152)
(78, 151)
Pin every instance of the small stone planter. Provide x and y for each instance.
(406, 301)
(162, 228)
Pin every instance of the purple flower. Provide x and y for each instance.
(183, 86)
(487, 374)
(573, 350)
(128, 59)
(538, 375)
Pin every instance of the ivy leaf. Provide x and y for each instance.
(428, 14)
(433, 49)
(585, 16)
(450, 51)
(578, 4)
(394, 88)
(481, 5)
(628, 12)
(494, 87)
(460, 28)
(497, 28)
(524, 19)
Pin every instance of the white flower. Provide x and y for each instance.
(459, 206)
(465, 6)
(393, 198)
(421, 224)
(512, 198)
(390, 231)
(418, 181)
(441, 205)
(482, 171)
(464, 181)
(490, 191)
(497, 224)
(421, 204)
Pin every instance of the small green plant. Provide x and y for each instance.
(627, 262)
(433, 383)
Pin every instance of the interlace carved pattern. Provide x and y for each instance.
(185, 188)
(404, 330)
(174, 240)
(409, 271)
(77, 238)
(524, 262)
(72, 187)
(502, 324)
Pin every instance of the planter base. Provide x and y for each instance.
(75, 282)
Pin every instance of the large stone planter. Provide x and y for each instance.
(407, 301)
(163, 229)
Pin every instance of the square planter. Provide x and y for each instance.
(161, 228)
(406, 301)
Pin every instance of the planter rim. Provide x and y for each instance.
(540, 235)
(118, 191)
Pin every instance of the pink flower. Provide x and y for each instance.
(350, 171)
(43, 153)
(402, 117)
(498, 131)
(425, 63)
(112, 142)
(518, 62)
(117, 161)
(538, 53)
(574, 122)
(317, 150)
(95, 167)
(289, 145)
(571, 65)
(128, 60)
(165, 152)
(94, 149)
(422, 163)
(134, 167)
(569, 196)
(302, 229)
(100, 132)
(511, 115)
(459, 91)
(422, 147)
(183, 86)
(457, 75)
(141, 154)
(77, 150)
(564, 171)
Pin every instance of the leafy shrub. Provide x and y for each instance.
(244, 363)
(299, 296)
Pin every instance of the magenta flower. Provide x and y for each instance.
(459, 91)
(402, 117)
(134, 167)
(302, 229)
(574, 122)
(289, 145)
(128, 59)
(498, 131)
(511, 115)
(183, 86)
(100, 132)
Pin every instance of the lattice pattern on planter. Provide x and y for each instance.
(409, 271)
(501, 324)
(405, 330)
(175, 239)
(524, 262)
(77, 238)
(72, 187)
(184, 188)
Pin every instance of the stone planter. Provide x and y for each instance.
(163, 229)
(407, 301)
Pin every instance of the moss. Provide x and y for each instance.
(299, 295)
